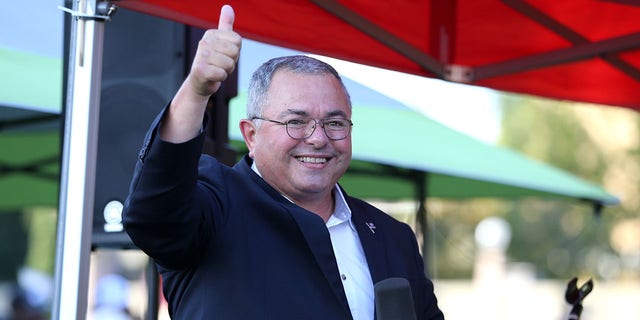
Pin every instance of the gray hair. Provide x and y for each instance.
(261, 78)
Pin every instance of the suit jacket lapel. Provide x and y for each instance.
(317, 236)
(372, 238)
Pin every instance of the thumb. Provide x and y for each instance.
(227, 16)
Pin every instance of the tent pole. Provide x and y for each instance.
(422, 223)
(77, 180)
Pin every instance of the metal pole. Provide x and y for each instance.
(422, 221)
(77, 180)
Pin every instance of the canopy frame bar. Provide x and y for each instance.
(383, 36)
(571, 36)
(557, 57)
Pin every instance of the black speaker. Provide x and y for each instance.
(145, 61)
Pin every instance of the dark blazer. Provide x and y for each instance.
(229, 246)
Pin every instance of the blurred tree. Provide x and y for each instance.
(565, 239)
(41, 224)
(452, 231)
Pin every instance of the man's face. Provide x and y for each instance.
(307, 168)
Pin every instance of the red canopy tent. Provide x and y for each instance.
(580, 50)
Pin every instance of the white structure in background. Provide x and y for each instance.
(472, 110)
(492, 236)
(506, 290)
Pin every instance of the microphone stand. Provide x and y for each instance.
(574, 296)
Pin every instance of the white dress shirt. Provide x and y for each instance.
(352, 263)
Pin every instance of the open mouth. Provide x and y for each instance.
(312, 159)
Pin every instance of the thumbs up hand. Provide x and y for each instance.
(216, 56)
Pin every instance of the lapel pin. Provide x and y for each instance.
(372, 227)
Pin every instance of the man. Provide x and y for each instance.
(274, 237)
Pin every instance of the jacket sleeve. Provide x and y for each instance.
(164, 211)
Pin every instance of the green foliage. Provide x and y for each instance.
(42, 238)
(564, 239)
(556, 237)
(550, 132)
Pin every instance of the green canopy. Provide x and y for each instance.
(30, 102)
(398, 151)
(29, 169)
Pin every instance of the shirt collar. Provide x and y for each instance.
(341, 212)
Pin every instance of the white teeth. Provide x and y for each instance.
(312, 160)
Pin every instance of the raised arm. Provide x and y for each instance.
(215, 59)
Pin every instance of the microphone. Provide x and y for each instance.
(393, 300)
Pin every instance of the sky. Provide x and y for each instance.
(33, 25)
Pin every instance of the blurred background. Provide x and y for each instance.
(490, 258)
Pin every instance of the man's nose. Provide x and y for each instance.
(318, 134)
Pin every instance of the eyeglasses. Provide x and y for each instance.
(299, 129)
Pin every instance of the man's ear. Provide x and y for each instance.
(248, 129)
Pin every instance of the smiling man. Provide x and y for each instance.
(299, 131)
(275, 236)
